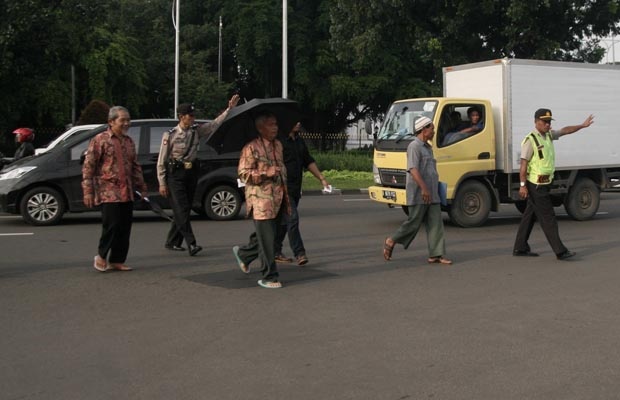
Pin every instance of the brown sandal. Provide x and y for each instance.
(439, 260)
(387, 250)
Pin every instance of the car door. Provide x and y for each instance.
(154, 131)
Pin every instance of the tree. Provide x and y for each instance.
(96, 112)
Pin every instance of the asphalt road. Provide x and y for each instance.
(347, 326)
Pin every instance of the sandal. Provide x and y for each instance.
(387, 250)
(281, 258)
(98, 264)
(244, 268)
(270, 284)
(120, 267)
(439, 260)
(302, 260)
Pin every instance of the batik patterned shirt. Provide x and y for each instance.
(111, 171)
(263, 195)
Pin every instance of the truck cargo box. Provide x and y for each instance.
(516, 88)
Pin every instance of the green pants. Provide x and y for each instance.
(430, 216)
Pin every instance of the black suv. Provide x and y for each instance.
(43, 187)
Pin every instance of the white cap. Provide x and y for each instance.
(421, 123)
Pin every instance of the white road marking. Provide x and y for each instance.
(17, 234)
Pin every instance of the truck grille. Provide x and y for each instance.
(393, 177)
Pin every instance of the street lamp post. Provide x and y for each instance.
(284, 49)
(219, 58)
(175, 22)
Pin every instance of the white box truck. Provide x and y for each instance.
(481, 169)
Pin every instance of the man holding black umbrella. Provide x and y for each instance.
(177, 171)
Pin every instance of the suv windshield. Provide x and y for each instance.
(400, 119)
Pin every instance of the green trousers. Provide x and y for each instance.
(430, 216)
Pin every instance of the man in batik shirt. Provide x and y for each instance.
(110, 175)
(261, 168)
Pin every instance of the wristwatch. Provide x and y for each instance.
(522, 184)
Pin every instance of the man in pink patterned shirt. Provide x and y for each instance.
(110, 175)
(261, 168)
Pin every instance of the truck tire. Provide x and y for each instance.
(406, 210)
(583, 199)
(471, 205)
(222, 203)
(42, 206)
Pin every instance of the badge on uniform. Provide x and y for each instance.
(187, 164)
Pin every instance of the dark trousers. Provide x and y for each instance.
(290, 226)
(539, 208)
(261, 245)
(116, 231)
(181, 188)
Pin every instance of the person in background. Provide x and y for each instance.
(468, 128)
(423, 202)
(296, 159)
(535, 175)
(177, 172)
(262, 169)
(24, 136)
(109, 176)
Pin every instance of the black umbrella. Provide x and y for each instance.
(155, 207)
(238, 127)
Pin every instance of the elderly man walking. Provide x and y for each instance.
(261, 168)
(423, 200)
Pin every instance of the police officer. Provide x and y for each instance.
(536, 174)
(177, 171)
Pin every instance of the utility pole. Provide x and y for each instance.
(284, 49)
(176, 23)
(219, 60)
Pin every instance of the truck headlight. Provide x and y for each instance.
(375, 174)
(16, 173)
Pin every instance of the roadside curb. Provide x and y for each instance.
(336, 191)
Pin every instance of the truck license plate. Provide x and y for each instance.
(389, 195)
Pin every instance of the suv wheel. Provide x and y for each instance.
(42, 206)
(222, 203)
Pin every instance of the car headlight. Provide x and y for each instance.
(16, 173)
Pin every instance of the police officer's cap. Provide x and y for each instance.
(544, 114)
(186, 108)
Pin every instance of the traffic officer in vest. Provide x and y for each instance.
(536, 175)
(177, 171)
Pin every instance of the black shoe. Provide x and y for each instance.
(566, 255)
(194, 249)
(175, 247)
(522, 253)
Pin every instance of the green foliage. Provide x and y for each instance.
(339, 179)
(346, 59)
(349, 160)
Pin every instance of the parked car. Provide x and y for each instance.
(42, 188)
(65, 135)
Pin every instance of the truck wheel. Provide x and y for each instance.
(405, 210)
(42, 206)
(583, 199)
(471, 206)
(222, 203)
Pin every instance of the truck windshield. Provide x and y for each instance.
(401, 117)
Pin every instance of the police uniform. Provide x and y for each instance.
(177, 169)
(539, 151)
